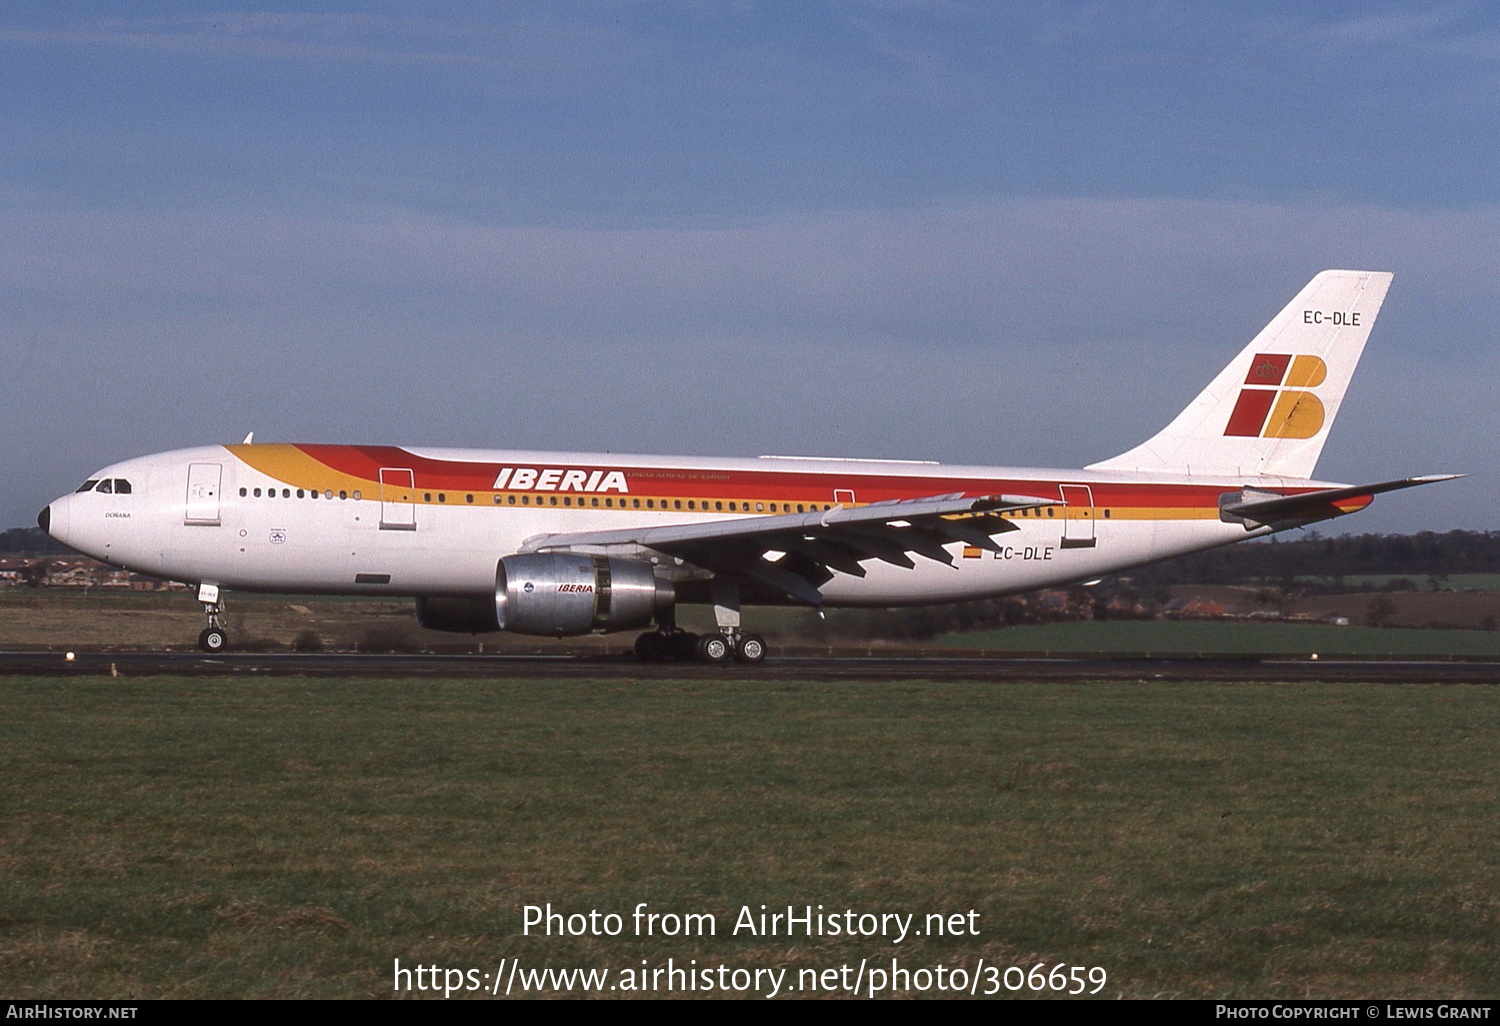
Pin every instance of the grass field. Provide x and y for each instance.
(1221, 638)
(1423, 625)
(287, 838)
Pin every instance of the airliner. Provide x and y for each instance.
(566, 544)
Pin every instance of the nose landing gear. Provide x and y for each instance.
(213, 638)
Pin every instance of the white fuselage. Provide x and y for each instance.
(348, 520)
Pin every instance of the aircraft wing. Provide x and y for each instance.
(1258, 507)
(796, 552)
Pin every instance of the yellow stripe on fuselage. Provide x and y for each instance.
(291, 466)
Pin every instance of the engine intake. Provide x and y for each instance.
(561, 594)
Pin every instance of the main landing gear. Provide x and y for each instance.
(213, 638)
(683, 646)
(669, 641)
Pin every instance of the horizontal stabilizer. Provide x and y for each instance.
(1256, 507)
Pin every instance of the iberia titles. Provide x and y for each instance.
(554, 479)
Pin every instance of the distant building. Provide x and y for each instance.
(75, 572)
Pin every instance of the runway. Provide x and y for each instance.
(853, 669)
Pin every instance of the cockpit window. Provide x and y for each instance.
(88, 485)
(122, 486)
(106, 486)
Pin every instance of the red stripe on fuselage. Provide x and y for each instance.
(777, 485)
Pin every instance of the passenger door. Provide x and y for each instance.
(203, 494)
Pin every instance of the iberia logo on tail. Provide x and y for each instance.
(1275, 402)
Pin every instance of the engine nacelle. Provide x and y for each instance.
(563, 594)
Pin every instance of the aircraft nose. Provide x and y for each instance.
(44, 520)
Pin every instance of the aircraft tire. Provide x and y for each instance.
(683, 646)
(213, 639)
(714, 648)
(652, 647)
(751, 649)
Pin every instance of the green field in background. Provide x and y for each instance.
(1219, 638)
(287, 838)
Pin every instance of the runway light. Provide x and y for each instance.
(69, 657)
(1313, 657)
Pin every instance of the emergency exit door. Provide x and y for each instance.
(398, 511)
(1078, 517)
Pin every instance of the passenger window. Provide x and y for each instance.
(88, 486)
(257, 493)
(301, 493)
(286, 493)
(467, 498)
(357, 495)
(244, 492)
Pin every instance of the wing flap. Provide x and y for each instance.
(790, 523)
(836, 539)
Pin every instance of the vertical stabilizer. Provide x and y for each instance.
(1270, 410)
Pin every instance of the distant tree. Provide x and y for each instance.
(30, 541)
(1381, 611)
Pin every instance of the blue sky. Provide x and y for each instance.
(1011, 233)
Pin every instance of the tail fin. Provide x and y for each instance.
(1269, 411)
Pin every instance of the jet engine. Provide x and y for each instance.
(556, 594)
(562, 594)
